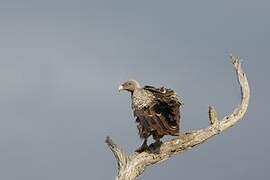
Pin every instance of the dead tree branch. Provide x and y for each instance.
(133, 165)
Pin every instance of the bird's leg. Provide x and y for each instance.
(156, 145)
(143, 147)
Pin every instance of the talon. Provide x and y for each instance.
(143, 148)
(155, 146)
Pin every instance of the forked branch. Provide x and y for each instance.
(133, 165)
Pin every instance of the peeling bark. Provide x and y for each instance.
(131, 166)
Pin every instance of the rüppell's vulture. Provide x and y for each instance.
(157, 111)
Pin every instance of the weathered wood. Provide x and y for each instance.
(130, 167)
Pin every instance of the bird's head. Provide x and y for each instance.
(129, 85)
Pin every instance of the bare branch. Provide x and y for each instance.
(118, 153)
(133, 165)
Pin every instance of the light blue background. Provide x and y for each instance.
(62, 61)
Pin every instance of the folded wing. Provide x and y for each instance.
(164, 112)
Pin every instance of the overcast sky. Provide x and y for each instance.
(61, 62)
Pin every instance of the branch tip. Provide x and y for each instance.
(212, 114)
(235, 60)
(109, 141)
(117, 151)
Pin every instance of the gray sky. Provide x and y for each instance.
(62, 61)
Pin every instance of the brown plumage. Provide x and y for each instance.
(157, 111)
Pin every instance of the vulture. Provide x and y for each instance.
(156, 110)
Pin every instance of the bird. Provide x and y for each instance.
(156, 111)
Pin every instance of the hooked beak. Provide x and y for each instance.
(120, 88)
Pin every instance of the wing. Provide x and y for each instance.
(165, 111)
